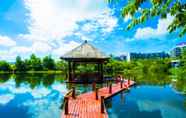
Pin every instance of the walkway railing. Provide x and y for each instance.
(98, 96)
(70, 94)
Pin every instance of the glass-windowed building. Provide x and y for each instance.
(178, 50)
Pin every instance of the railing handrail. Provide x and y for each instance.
(64, 104)
(69, 93)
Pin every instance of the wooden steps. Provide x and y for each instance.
(86, 105)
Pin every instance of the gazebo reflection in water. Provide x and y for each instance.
(85, 54)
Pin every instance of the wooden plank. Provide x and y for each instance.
(86, 105)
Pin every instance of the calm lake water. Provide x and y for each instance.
(40, 96)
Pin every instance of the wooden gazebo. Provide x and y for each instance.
(85, 54)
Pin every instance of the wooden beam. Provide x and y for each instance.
(69, 71)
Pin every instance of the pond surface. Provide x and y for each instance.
(147, 101)
(40, 96)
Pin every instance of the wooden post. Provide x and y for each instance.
(96, 91)
(128, 82)
(66, 105)
(73, 92)
(73, 70)
(110, 88)
(101, 66)
(93, 86)
(69, 71)
(98, 69)
(107, 83)
(121, 84)
(102, 104)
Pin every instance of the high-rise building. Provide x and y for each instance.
(156, 55)
(178, 50)
(133, 56)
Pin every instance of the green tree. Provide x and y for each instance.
(35, 63)
(61, 65)
(48, 63)
(20, 65)
(154, 8)
(13, 67)
(27, 65)
(4, 66)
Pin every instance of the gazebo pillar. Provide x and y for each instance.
(101, 71)
(73, 70)
(99, 74)
(69, 71)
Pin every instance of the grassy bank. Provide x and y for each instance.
(19, 72)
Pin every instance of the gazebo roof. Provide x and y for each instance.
(85, 51)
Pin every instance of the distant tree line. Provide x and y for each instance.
(134, 68)
(34, 63)
(158, 71)
(137, 68)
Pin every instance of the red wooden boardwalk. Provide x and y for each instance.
(86, 105)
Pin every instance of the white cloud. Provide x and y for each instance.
(102, 24)
(6, 98)
(40, 108)
(65, 47)
(54, 19)
(19, 50)
(40, 92)
(10, 86)
(6, 55)
(37, 92)
(107, 22)
(167, 109)
(36, 47)
(41, 47)
(88, 27)
(50, 21)
(60, 88)
(11, 53)
(7, 41)
(161, 30)
(83, 36)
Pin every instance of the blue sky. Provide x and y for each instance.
(54, 27)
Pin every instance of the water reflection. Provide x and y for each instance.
(31, 95)
(34, 95)
(40, 96)
(147, 101)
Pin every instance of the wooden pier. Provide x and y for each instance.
(91, 104)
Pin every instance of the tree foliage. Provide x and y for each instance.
(20, 65)
(161, 8)
(35, 63)
(48, 63)
(137, 68)
(4, 66)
